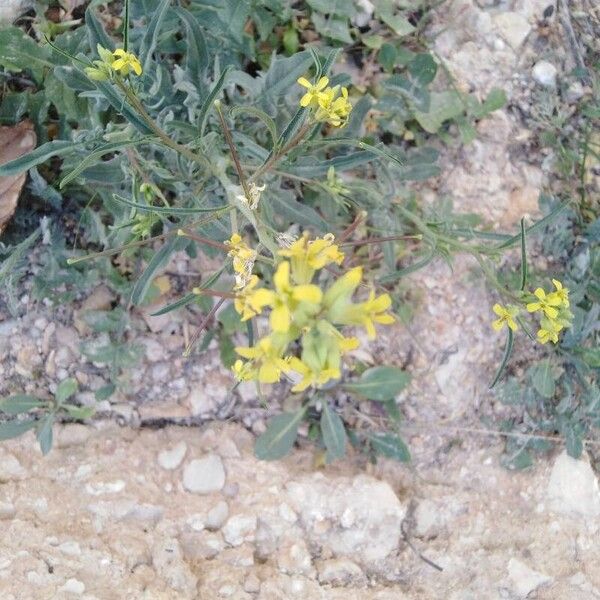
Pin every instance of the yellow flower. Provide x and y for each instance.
(267, 356)
(250, 302)
(312, 96)
(545, 303)
(507, 317)
(562, 293)
(243, 260)
(334, 110)
(366, 313)
(338, 295)
(125, 62)
(308, 376)
(243, 371)
(288, 297)
(549, 330)
(307, 257)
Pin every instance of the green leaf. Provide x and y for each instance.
(104, 392)
(507, 352)
(495, 100)
(523, 256)
(187, 299)
(20, 52)
(423, 68)
(44, 434)
(380, 383)
(399, 24)
(387, 57)
(95, 157)
(389, 445)
(208, 102)
(259, 114)
(543, 378)
(335, 28)
(443, 106)
(160, 259)
(573, 441)
(79, 412)
(121, 106)
(279, 437)
(39, 155)
(334, 433)
(296, 212)
(20, 403)
(196, 51)
(65, 390)
(169, 210)
(412, 91)
(96, 33)
(151, 32)
(13, 429)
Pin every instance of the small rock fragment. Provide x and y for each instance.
(204, 475)
(217, 516)
(513, 27)
(341, 572)
(10, 467)
(524, 579)
(73, 586)
(172, 458)
(544, 73)
(239, 529)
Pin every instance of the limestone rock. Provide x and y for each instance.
(573, 487)
(523, 579)
(513, 27)
(544, 73)
(217, 515)
(239, 529)
(170, 459)
(339, 514)
(341, 572)
(169, 564)
(204, 475)
(10, 467)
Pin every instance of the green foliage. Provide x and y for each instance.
(40, 415)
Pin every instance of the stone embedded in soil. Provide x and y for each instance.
(573, 487)
(544, 73)
(10, 467)
(341, 572)
(240, 529)
(338, 514)
(513, 27)
(73, 587)
(525, 580)
(217, 516)
(170, 459)
(204, 475)
(168, 562)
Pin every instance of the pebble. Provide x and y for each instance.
(240, 529)
(172, 458)
(217, 516)
(573, 487)
(524, 579)
(73, 586)
(513, 27)
(204, 475)
(10, 467)
(71, 548)
(341, 572)
(544, 73)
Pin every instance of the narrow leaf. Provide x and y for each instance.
(65, 390)
(507, 351)
(380, 383)
(523, 257)
(20, 403)
(279, 437)
(208, 102)
(389, 445)
(44, 434)
(196, 58)
(169, 210)
(38, 156)
(150, 38)
(334, 433)
(121, 106)
(13, 429)
(96, 33)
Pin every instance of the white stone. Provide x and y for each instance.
(323, 503)
(105, 487)
(217, 516)
(204, 475)
(544, 73)
(524, 580)
(294, 558)
(239, 529)
(341, 572)
(575, 92)
(201, 403)
(172, 458)
(10, 467)
(70, 548)
(573, 487)
(169, 564)
(204, 545)
(513, 27)
(73, 586)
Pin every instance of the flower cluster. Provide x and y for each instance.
(243, 260)
(329, 104)
(551, 307)
(118, 61)
(301, 312)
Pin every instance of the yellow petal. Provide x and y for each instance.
(497, 325)
(280, 319)
(281, 279)
(533, 306)
(304, 82)
(307, 293)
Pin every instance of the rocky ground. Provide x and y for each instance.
(129, 512)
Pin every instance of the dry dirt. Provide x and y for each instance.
(124, 513)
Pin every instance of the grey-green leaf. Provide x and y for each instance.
(13, 429)
(389, 445)
(279, 437)
(44, 434)
(20, 403)
(334, 433)
(380, 383)
(38, 156)
(543, 378)
(65, 390)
